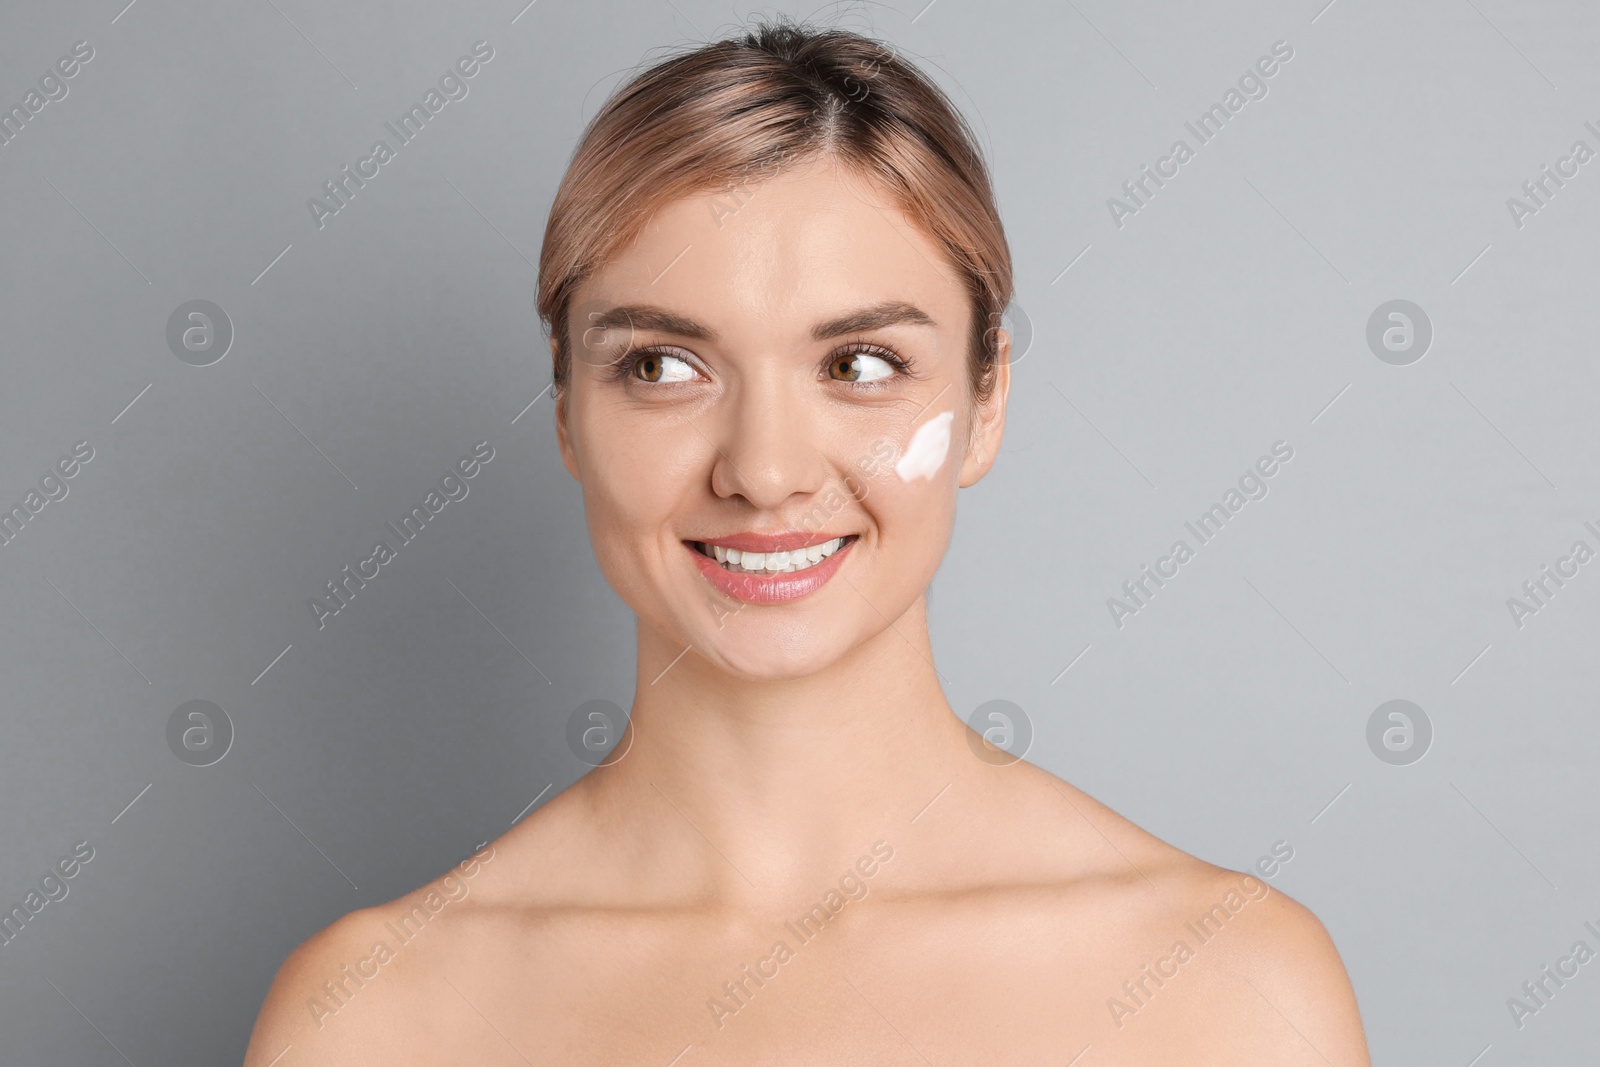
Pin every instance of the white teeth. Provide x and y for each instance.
(774, 562)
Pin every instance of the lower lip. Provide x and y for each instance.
(768, 588)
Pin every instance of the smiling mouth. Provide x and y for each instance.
(771, 563)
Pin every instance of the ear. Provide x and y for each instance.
(569, 458)
(989, 417)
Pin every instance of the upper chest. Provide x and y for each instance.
(992, 988)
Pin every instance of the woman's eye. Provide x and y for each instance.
(657, 367)
(859, 367)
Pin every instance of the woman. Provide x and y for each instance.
(774, 275)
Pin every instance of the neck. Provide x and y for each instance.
(786, 778)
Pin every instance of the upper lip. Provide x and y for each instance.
(788, 541)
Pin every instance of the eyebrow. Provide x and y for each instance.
(652, 317)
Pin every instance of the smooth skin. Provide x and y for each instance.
(778, 751)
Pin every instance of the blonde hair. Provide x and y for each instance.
(741, 108)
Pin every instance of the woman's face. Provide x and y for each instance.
(798, 379)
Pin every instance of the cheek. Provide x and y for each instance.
(912, 501)
(920, 510)
(906, 471)
(925, 454)
(634, 482)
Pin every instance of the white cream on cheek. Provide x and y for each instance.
(928, 448)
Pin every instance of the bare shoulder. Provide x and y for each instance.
(360, 990)
(400, 982)
(291, 1016)
(1204, 952)
(1294, 978)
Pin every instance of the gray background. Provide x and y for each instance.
(1229, 313)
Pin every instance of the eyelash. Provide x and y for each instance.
(623, 363)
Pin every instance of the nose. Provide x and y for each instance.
(768, 446)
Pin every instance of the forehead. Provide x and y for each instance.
(779, 255)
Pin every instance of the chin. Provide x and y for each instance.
(844, 616)
(774, 653)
